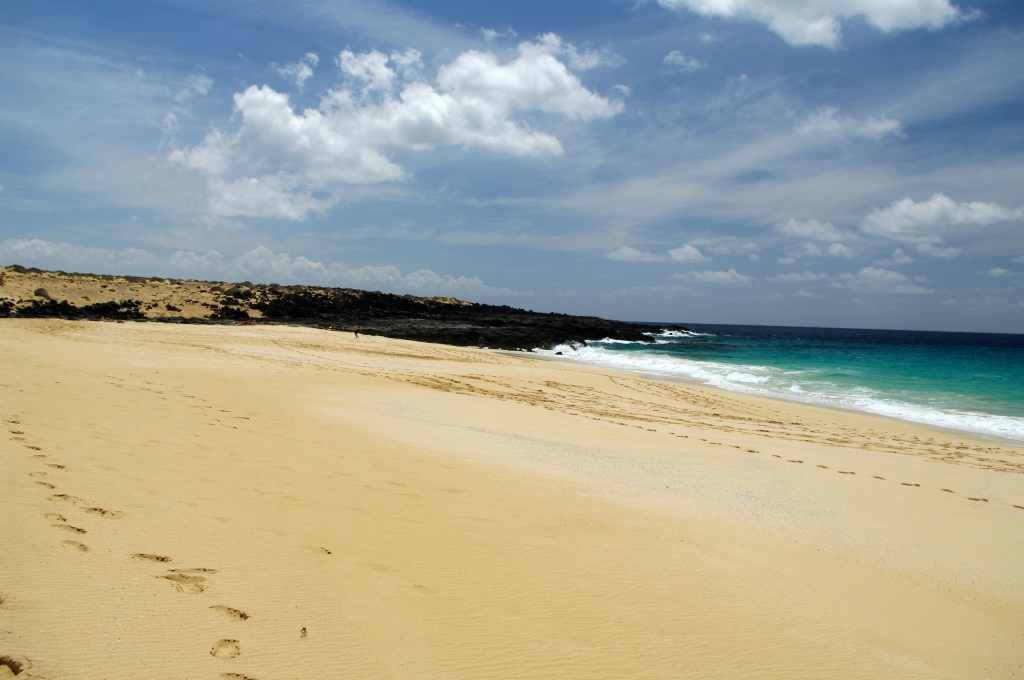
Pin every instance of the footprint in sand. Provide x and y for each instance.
(842, 472)
(37, 474)
(230, 612)
(984, 500)
(55, 517)
(55, 465)
(11, 667)
(235, 676)
(949, 491)
(319, 550)
(46, 484)
(111, 514)
(75, 545)
(149, 557)
(226, 649)
(188, 580)
(794, 461)
(68, 527)
(909, 484)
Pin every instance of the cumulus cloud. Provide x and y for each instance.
(627, 254)
(684, 253)
(300, 71)
(875, 280)
(996, 273)
(811, 249)
(819, 22)
(812, 229)
(286, 164)
(922, 223)
(825, 122)
(687, 253)
(195, 84)
(897, 257)
(677, 61)
(725, 277)
(259, 264)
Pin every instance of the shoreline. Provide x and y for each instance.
(982, 436)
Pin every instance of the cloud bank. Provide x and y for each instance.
(922, 224)
(383, 106)
(819, 22)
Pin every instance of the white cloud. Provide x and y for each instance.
(1019, 258)
(996, 273)
(490, 35)
(259, 264)
(874, 280)
(285, 164)
(578, 61)
(812, 229)
(684, 253)
(727, 277)
(195, 84)
(68, 257)
(627, 254)
(797, 278)
(922, 223)
(811, 249)
(840, 250)
(677, 61)
(807, 295)
(897, 257)
(818, 22)
(300, 71)
(824, 122)
(273, 196)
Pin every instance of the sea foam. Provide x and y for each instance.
(802, 386)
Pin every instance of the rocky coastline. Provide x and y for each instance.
(34, 293)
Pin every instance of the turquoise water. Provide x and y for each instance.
(965, 381)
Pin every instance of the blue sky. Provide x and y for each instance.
(718, 161)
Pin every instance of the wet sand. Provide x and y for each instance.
(276, 502)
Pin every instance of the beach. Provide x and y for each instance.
(265, 502)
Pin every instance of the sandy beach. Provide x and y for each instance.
(274, 502)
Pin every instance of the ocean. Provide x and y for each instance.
(972, 382)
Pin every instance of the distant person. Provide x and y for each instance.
(355, 329)
(480, 342)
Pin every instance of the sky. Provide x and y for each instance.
(775, 162)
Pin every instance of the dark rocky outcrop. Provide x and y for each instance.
(126, 309)
(442, 320)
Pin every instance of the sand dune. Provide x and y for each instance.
(276, 502)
